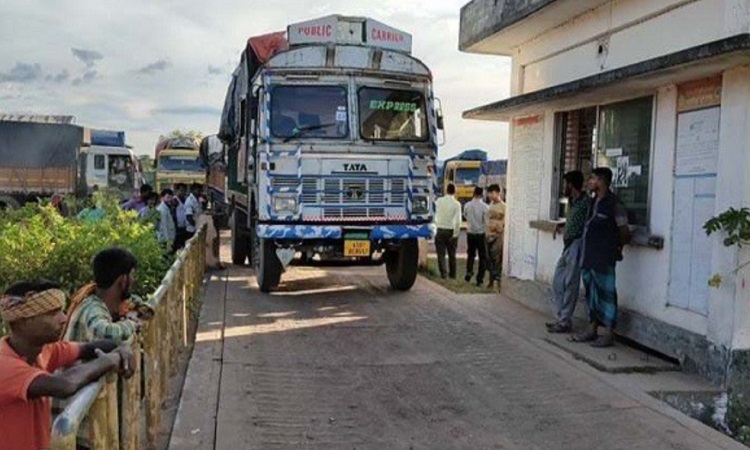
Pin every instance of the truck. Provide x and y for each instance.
(178, 161)
(471, 169)
(332, 136)
(213, 156)
(45, 155)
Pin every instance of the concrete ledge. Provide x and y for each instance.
(695, 353)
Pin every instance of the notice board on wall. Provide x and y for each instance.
(524, 195)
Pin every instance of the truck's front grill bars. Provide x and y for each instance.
(398, 191)
(351, 198)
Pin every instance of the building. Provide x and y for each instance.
(658, 90)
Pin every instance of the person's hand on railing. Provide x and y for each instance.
(121, 360)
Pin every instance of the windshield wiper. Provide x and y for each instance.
(298, 131)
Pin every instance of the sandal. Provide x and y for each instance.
(603, 342)
(583, 337)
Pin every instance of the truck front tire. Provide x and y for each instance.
(269, 266)
(401, 265)
(239, 242)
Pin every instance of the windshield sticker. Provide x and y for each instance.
(384, 105)
(341, 114)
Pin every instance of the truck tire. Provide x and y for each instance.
(269, 266)
(239, 242)
(8, 203)
(401, 265)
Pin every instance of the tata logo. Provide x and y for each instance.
(355, 167)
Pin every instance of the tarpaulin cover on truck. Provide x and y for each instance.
(28, 144)
(257, 52)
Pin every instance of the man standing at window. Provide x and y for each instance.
(495, 233)
(567, 279)
(605, 234)
(448, 223)
(476, 216)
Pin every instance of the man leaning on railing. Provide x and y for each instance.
(30, 357)
(91, 311)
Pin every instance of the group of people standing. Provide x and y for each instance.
(595, 232)
(484, 234)
(174, 213)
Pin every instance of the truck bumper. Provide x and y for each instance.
(377, 232)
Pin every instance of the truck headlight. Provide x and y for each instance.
(284, 204)
(420, 205)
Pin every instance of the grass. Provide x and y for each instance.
(459, 286)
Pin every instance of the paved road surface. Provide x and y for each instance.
(336, 360)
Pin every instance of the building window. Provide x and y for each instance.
(99, 162)
(617, 136)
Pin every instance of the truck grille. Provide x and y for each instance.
(398, 191)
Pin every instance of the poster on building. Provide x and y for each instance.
(525, 188)
(697, 142)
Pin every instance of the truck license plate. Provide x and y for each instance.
(356, 248)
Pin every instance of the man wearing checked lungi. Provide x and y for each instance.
(605, 233)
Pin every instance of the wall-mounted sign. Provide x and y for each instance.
(699, 94)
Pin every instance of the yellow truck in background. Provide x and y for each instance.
(178, 161)
(464, 175)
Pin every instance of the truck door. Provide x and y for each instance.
(97, 171)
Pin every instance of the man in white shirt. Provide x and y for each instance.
(476, 217)
(193, 208)
(167, 231)
(178, 209)
(448, 223)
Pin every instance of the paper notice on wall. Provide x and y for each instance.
(697, 142)
(621, 172)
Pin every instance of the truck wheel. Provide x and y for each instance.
(239, 244)
(269, 266)
(401, 265)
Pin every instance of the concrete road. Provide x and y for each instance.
(336, 360)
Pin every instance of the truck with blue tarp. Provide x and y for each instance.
(332, 134)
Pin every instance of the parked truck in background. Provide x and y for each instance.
(178, 161)
(470, 169)
(45, 155)
(332, 135)
(213, 156)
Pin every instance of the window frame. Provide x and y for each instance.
(360, 115)
(559, 139)
(103, 159)
(343, 87)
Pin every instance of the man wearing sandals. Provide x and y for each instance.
(605, 233)
(567, 280)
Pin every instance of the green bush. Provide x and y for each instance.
(36, 242)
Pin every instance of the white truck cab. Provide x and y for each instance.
(112, 168)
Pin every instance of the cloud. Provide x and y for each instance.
(87, 57)
(22, 73)
(60, 77)
(156, 66)
(189, 111)
(215, 70)
(87, 77)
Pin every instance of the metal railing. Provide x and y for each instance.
(117, 409)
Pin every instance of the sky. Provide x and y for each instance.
(151, 66)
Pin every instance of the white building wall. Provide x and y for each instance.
(640, 30)
(628, 31)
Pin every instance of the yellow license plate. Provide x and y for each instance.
(356, 248)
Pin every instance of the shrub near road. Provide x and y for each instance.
(36, 242)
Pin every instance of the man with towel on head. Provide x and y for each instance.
(30, 357)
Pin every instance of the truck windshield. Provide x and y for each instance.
(392, 115)
(467, 176)
(309, 111)
(181, 163)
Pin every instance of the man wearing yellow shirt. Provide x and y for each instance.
(495, 231)
(448, 223)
